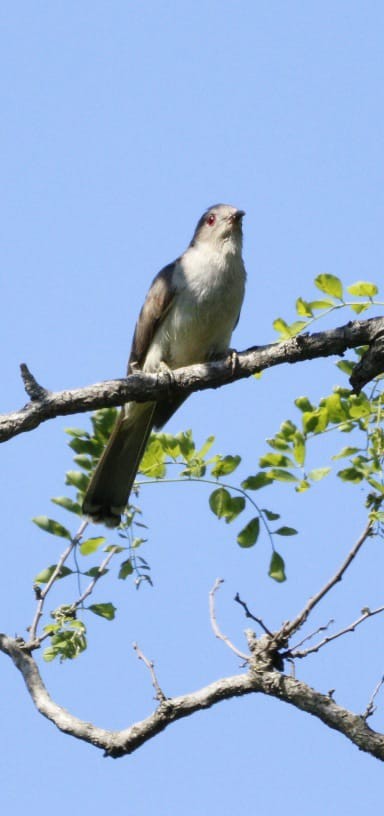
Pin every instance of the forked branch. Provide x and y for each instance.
(142, 387)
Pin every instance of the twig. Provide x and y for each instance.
(214, 624)
(88, 591)
(311, 635)
(296, 624)
(371, 708)
(151, 666)
(367, 613)
(249, 614)
(33, 639)
(35, 391)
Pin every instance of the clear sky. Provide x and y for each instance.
(121, 123)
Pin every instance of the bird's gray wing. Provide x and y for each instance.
(156, 305)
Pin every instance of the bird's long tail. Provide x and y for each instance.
(108, 491)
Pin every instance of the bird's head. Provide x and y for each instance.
(218, 226)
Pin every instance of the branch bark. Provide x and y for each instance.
(141, 387)
(257, 680)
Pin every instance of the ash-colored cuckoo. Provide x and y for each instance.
(188, 317)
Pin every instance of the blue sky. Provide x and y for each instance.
(121, 123)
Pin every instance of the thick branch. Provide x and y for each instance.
(141, 387)
(272, 683)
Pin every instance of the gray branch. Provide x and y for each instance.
(261, 678)
(141, 387)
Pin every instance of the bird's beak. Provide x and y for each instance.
(237, 216)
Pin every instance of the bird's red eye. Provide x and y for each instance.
(211, 220)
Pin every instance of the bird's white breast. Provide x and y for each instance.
(199, 324)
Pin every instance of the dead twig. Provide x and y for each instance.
(215, 627)
(291, 627)
(151, 666)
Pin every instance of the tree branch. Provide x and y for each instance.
(141, 387)
(272, 683)
(293, 626)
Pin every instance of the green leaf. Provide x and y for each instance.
(331, 285)
(206, 447)
(51, 526)
(315, 421)
(277, 567)
(236, 507)
(278, 443)
(77, 479)
(359, 406)
(103, 422)
(336, 410)
(363, 289)
(225, 465)
(84, 461)
(318, 473)
(249, 534)
(196, 469)
(95, 572)
(348, 451)
(114, 548)
(223, 505)
(281, 475)
(126, 569)
(303, 308)
(275, 460)
(286, 331)
(44, 576)
(89, 446)
(351, 474)
(303, 404)
(299, 448)
(137, 542)
(152, 464)
(287, 429)
(68, 504)
(346, 366)
(91, 545)
(285, 531)
(187, 445)
(270, 516)
(256, 482)
(302, 486)
(77, 432)
(281, 327)
(170, 445)
(321, 304)
(219, 501)
(296, 327)
(105, 610)
(358, 308)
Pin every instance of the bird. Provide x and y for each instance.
(188, 317)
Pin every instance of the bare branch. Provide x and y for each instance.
(317, 631)
(214, 625)
(293, 626)
(34, 390)
(371, 708)
(367, 613)
(249, 614)
(272, 683)
(151, 666)
(141, 387)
